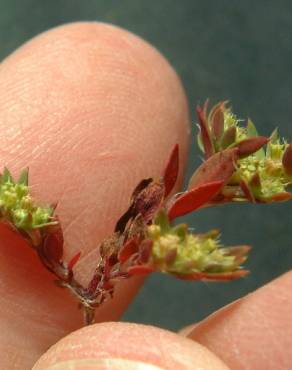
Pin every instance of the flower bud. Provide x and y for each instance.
(287, 160)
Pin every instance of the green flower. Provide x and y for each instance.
(266, 172)
(193, 256)
(261, 175)
(17, 206)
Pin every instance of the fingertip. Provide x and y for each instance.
(110, 344)
(91, 109)
(253, 332)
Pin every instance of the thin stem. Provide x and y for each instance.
(88, 315)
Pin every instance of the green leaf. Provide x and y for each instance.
(199, 142)
(6, 176)
(229, 137)
(274, 136)
(162, 220)
(251, 129)
(181, 231)
(23, 178)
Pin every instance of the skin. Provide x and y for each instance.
(92, 109)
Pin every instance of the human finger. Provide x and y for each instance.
(127, 346)
(254, 332)
(91, 109)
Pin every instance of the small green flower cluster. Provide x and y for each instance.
(177, 251)
(17, 205)
(265, 172)
(224, 128)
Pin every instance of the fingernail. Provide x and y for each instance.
(104, 364)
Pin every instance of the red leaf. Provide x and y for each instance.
(205, 133)
(205, 107)
(193, 199)
(53, 246)
(123, 220)
(247, 191)
(145, 250)
(280, 197)
(140, 270)
(228, 137)
(239, 252)
(255, 182)
(127, 250)
(171, 171)
(220, 276)
(143, 184)
(73, 261)
(170, 256)
(219, 167)
(218, 122)
(107, 285)
(148, 201)
(107, 268)
(287, 160)
(251, 145)
(92, 285)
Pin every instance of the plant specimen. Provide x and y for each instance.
(239, 166)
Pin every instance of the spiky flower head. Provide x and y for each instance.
(258, 174)
(193, 256)
(17, 205)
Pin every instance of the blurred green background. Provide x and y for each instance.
(222, 49)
